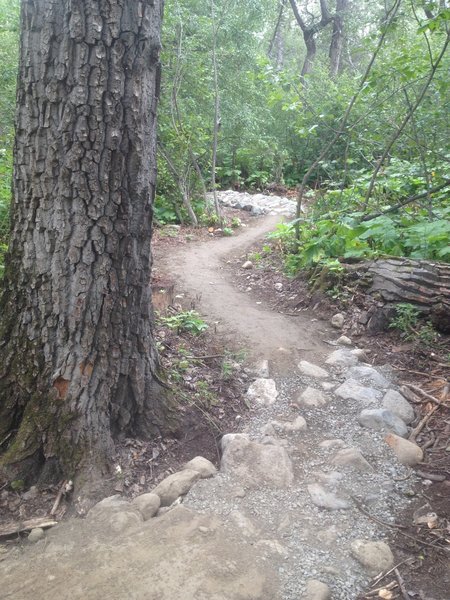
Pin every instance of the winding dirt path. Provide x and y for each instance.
(200, 272)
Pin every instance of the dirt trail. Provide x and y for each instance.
(200, 271)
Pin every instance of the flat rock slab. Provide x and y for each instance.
(353, 390)
(325, 498)
(381, 419)
(351, 457)
(257, 464)
(180, 555)
(312, 370)
(342, 358)
(368, 375)
(398, 405)
(262, 391)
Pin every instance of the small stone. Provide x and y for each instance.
(342, 358)
(351, 457)
(263, 392)
(407, 452)
(202, 466)
(311, 370)
(353, 390)
(203, 529)
(247, 265)
(312, 397)
(338, 320)
(278, 287)
(316, 590)
(368, 375)
(35, 535)
(31, 494)
(344, 341)
(380, 419)
(331, 444)
(398, 405)
(148, 505)
(297, 424)
(376, 557)
(327, 385)
(176, 485)
(326, 499)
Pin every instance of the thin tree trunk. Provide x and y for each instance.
(78, 362)
(337, 38)
(216, 113)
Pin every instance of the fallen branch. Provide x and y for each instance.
(10, 529)
(401, 585)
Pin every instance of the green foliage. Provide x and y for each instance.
(407, 321)
(189, 321)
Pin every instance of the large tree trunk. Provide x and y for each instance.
(78, 364)
(425, 284)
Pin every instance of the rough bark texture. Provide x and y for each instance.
(337, 38)
(422, 283)
(78, 365)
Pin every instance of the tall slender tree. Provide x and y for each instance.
(78, 364)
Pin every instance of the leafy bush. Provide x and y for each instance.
(189, 321)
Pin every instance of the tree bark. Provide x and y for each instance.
(337, 38)
(425, 284)
(78, 363)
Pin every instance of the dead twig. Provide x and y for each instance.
(376, 519)
(416, 388)
(65, 488)
(401, 585)
(415, 432)
(389, 586)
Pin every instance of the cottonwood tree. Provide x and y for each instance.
(78, 364)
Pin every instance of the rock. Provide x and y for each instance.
(229, 437)
(312, 397)
(406, 452)
(353, 390)
(326, 499)
(148, 505)
(330, 444)
(399, 406)
(316, 590)
(278, 287)
(247, 265)
(202, 466)
(31, 494)
(298, 424)
(123, 521)
(351, 457)
(263, 392)
(368, 375)
(257, 464)
(261, 369)
(376, 557)
(36, 534)
(328, 386)
(176, 485)
(344, 341)
(380, 419)
(311, 370)
(246, 526)
(338, 320)
(342, 358)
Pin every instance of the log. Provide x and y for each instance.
(14, 528)
(424, 284)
